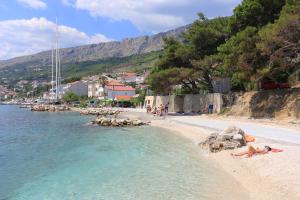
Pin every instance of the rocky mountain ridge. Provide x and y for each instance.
(93, 52)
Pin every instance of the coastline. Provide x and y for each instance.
(271, 176)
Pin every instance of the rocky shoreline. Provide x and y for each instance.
(114, 122)
(101, 112)
(49, 108)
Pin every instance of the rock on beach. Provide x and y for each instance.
(230, 138)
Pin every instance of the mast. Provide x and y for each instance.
(59, 75)
(56, 62)
(52, 76)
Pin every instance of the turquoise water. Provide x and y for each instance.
(58, 156)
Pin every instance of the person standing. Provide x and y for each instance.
(210, 109)
(167, 108)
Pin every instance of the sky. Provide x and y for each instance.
(28, 26)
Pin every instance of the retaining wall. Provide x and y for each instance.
(187, 103)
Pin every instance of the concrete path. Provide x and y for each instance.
(256, 129)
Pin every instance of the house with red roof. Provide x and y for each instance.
(118, 92)
(95, 87)
(127, 77)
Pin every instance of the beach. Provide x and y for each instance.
(269, 176)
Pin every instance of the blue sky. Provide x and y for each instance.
(27, 26)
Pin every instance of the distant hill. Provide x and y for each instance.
(75, 57)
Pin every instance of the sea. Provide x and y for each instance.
(60, 156)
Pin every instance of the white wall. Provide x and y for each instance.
(187, 103)
(79, 88)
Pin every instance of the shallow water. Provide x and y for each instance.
(57, 156)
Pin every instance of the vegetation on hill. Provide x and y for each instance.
(260, 40)
(74, 71)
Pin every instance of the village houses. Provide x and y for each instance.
(113, 89)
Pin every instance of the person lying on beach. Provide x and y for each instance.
(254, 151)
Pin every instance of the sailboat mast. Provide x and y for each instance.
(59, 75)
(52, 76)
(56, 63)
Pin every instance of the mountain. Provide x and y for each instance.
(95, 52)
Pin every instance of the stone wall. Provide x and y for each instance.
(187, 103)
(162, 100)
(149, 100)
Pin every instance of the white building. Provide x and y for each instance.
(140, 79)
(80, 88)
(95, 88)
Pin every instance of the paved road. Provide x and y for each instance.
(258, 130)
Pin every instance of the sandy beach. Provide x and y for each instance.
(269, 176)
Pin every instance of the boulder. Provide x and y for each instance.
(51, 109)
(114, 122)
(230, 138)
(137, 123)
(234, 133)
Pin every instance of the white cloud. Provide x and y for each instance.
(23, 37)
(154, 15)
(36, 4)
(67, 2)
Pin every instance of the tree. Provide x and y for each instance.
(70, 97)
(260, 39)
(174, 55)
(72, 79)
(280, 42)
(206, 70)
(103, 81)
(204, 36)
(256, 13)
(162, 82)
(181, 62)
(241, 58)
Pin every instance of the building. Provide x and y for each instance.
(96, 89)
(80, 88)
(128, 77)
(22, 83)
(140, 79)
(114, 92)
(6, 93)
(123, 98)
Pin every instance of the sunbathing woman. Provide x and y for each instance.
(252, 151)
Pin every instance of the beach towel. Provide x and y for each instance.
(249, 138)
(276, 150)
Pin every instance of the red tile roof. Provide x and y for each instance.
(118, 98)
(121, 88)
(129, 74)
(113, 82)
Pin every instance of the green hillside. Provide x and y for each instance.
(135, 63)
